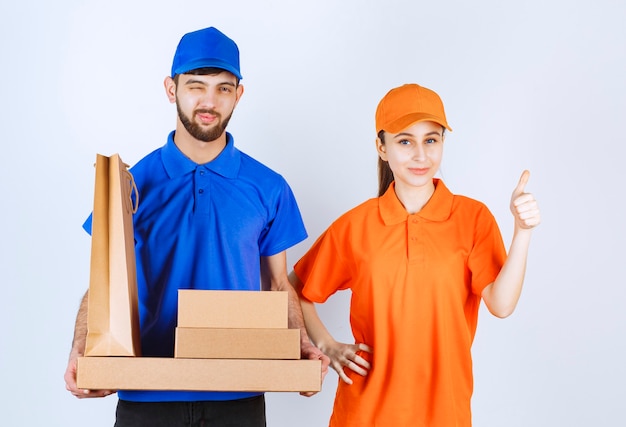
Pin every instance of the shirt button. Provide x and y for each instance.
(201, 172)
(201, 191)
(414, 221)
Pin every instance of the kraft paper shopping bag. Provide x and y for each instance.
(113, 320)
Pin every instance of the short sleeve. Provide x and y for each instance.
(285, 228)
(87, 224)
(324, 269)
(488, 253)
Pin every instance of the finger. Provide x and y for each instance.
(82, 393)
(356, 368)
(521, 185)
(339, 369)
(525, 210)
(528, 213)
(344, 376)
(365, 347)
(324, 371)
(325, 362)
(77, 391)
(530, 219)
(362, 362)
(524, 199)
(525, 207)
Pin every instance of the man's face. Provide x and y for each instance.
(205, 103)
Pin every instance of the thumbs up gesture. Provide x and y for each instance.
(524, 206)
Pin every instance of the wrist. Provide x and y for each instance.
(76, 353)
(522, 232)
(325, 345)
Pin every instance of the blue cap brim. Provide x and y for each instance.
(206, 63)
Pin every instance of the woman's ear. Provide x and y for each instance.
(381, 149)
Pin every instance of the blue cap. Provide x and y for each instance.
(206, 48)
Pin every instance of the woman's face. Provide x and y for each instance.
(414, 154)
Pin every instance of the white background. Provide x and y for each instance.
(536, 84)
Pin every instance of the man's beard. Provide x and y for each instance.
(200, 133)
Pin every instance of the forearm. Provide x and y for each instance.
(80, 329)
(78, 349)
(502, 295)
(339, 355)
(316, 330)
(274, 274)
(318, 333)
(296, 318)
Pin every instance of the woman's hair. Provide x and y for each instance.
(385, 175)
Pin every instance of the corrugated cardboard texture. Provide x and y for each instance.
(220, 343)
(232, 309)
(146, 373)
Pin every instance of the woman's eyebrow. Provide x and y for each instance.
(433, 133)
(404, 134)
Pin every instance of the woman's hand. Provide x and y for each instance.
(347, 356)
(524, 206)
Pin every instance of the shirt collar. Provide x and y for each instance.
(177, 164)
(438, 208)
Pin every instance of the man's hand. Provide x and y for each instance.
(70, 383)
(310, 352)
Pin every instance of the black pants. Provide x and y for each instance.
(249, 412)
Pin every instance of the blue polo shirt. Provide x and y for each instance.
(202, 227)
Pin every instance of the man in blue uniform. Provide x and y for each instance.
(210, 217)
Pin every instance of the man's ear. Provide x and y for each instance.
(170, 89)
(239, 92)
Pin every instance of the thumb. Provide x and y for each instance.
(521, 185)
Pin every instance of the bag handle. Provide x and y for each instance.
(133, 188)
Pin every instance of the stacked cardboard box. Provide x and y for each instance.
(234, 325)
(225, 341)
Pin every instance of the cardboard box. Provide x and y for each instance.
(232, 309)
(220, 343)
(147, 373)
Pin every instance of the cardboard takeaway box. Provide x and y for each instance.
(234, 325)
(240, 343)
(251, 343)
(146, 373)
(232, 309)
